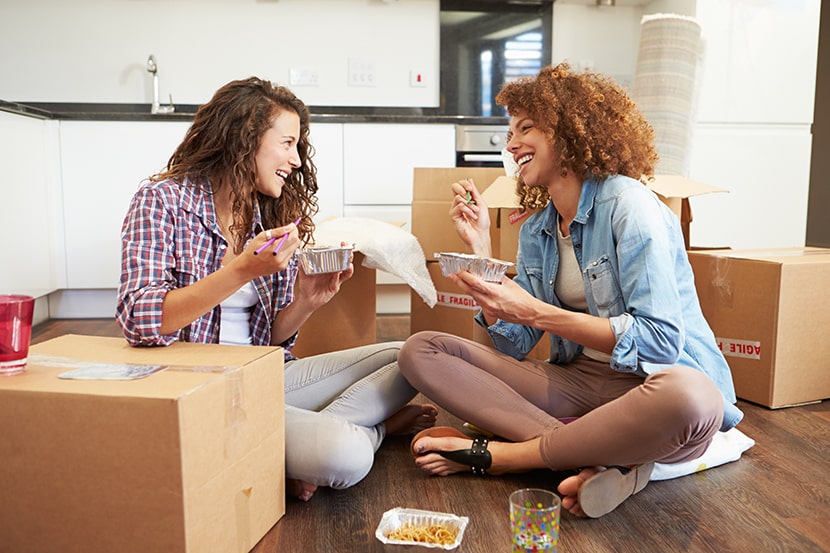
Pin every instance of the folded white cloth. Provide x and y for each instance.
(725, 448)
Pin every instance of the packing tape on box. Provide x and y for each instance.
(235, 414)
(721, 282)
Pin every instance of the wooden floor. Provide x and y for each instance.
(776, 498)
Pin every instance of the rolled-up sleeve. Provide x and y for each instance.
(147, 259)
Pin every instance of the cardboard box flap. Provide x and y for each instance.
(501, 193)
(433, 183)
(117, 350)
(795, 255)
(676, 186)
(185, 366)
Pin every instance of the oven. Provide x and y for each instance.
(479, 145)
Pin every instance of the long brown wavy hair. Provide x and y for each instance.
(220, 147)
(591, 122)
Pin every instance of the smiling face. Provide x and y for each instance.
(277, 154)
(531, 151)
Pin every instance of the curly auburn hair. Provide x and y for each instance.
(589, 120)
(220, 147)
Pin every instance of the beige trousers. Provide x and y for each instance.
(623, 419)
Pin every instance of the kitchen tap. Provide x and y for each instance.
(153, 68)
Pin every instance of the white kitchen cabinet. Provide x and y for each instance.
(759, 61)
(327, 139)
(103, 164)
(378, 159)
(30, 223)
(378, 165)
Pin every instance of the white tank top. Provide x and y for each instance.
(570, 288)
(235, 326)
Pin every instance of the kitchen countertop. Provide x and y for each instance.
(185, 112)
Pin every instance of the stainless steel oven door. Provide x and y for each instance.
(479, 145)
(478, 159)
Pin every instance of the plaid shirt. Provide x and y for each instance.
(170, 239)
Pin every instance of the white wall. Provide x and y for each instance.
(598, 38)
(753, 132)
(96, 50)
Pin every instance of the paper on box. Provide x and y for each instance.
(189, 459)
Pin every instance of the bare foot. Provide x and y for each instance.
(569, 489)
(299, 489)
(411, 419)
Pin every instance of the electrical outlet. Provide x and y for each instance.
(362, 72)
(303, 77)
(417, 78)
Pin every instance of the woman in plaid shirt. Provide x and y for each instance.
(190, 271)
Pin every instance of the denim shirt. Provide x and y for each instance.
(631, 252)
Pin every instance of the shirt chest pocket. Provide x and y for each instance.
(537, 281)
(188, 271)
(195, 252)
(605, 288)
(192, 261)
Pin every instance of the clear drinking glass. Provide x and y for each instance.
(534, 520)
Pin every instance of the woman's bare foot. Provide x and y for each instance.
(411, 419)
(596, 491)
(299, 489)
(569, 489)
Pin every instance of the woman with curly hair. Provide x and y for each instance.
(199, 263)
(634, 375)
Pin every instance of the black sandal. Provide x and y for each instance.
(477, 457)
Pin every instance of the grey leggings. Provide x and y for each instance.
(335, 407)
(624, 419)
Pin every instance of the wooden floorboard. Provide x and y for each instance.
(776, 498)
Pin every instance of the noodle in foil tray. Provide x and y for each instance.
(415, 527)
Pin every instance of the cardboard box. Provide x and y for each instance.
(348, 320)
(431, 201)
(770, 314)
(189, 459)
(454, 314)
